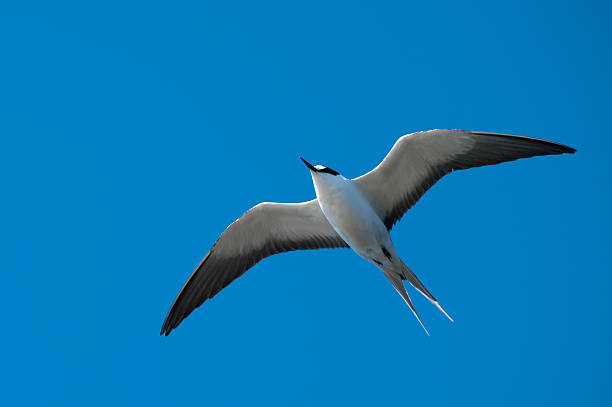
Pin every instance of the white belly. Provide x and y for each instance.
(353, 218)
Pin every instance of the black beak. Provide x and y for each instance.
(310, 167)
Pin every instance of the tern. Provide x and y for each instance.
(351, 213)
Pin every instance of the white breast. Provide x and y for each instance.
(349, 213)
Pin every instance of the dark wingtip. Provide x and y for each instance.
(165, 331)
(563, 148)
(166, 326)
(556, 148)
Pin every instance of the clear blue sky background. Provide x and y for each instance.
(133, 133)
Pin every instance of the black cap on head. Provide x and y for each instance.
(323, 169)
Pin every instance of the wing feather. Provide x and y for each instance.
(264, 230)
(419, 160)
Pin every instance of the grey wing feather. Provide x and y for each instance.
(264, 230)
(419, 160)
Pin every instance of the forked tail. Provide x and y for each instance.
(406, 274)
(399, 287)
(416, 283)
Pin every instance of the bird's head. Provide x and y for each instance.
(324, 178)
(319, 169)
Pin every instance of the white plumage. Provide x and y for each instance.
(356, 213)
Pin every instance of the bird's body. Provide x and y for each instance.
(352, 216)
(356, 213)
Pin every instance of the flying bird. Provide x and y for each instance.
(351, 213)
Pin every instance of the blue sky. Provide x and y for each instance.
(133, 133)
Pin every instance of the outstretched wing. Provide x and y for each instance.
(419, 160)
(264, 230)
